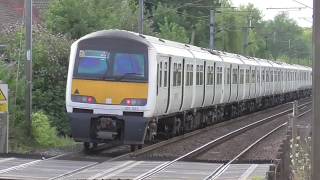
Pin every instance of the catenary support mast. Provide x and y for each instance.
(28, 23)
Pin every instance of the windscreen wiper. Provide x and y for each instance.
(128, 75)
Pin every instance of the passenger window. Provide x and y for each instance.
(235, 76)
(247, 76)
(187, 75)
(191, 75)
(179, 75)
(174, 74)
(241, 76)
(219, 75)
(198, 75)
(201, 75)
(160, 74)
(165, 78)
(228, 76)
(253, 76)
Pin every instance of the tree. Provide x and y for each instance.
(172, 31)
(76, 18)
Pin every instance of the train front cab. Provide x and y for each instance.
(107, 90)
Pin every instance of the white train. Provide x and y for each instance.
(128, 87)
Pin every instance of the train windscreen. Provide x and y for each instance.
(117, 61)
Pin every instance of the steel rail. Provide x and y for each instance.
(193, 133)
(221, 169)
(216, 141)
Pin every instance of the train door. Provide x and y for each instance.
(248, 83)
(175, 85)
(258, 81)
(162, 84)
(241, 86)
(187, 92)
(218, 83)
(209, 87)
(227, 83)
(234, 83)
(198, 91)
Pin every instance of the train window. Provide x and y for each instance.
(198, 75)
(165, 73)
(93, 63)
(241, 76)
(187, 75)
(160, 74)
(175, 72)
(247, 76)
(125, 63)
(234, 76)
(267, 76)
(271, 76)
(258, 76)
(219, 75)
(210, 75)
(253, 76)
(179, 75)
(228, 76)
(191, 75)
(263, 76)
(201, 75)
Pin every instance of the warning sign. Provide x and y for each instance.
(3, 98)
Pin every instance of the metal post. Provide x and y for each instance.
(193, 34)
(294, 126)
(246, 37)
(315, 156)
(212, 33)
(141, 8)
(28, 6)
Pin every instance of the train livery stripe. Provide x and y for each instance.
(109, 92)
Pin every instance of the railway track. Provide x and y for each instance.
(196, 152)
(103, 173)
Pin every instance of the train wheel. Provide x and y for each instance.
(133, 147)
(89, 147)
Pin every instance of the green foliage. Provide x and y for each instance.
(76, 18)
(43, 133)
(50, 62)
(172, 31)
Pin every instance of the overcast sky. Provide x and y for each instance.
(303, 16)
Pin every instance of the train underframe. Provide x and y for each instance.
(180, 123)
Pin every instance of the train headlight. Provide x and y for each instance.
(133, 102)
(83, 99)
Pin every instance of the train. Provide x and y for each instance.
(129, 88)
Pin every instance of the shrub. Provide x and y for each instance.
(44, 134)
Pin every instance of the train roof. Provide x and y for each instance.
(168, 47)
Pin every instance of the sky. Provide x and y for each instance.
(303, 16)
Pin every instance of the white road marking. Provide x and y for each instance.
(122, 170)
(19, 166)
(6, 159)
(248, 172)
(110, 170)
